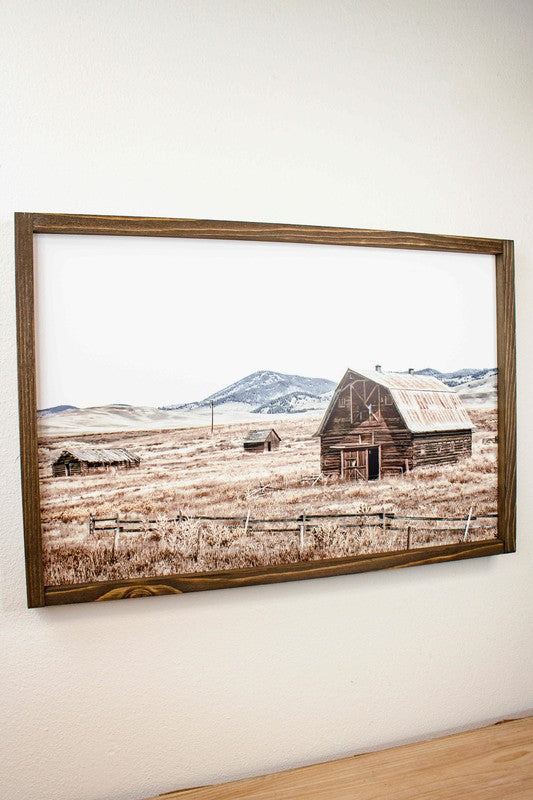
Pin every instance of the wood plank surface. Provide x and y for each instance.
(258, 231)
(29, 463)
(494, 763)
(506, 343)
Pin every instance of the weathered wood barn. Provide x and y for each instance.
(80, 460)
(261, 441)
(388, 423)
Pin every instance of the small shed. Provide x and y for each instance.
(261, 441)
(80, 460)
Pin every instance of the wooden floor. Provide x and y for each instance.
(494, 763)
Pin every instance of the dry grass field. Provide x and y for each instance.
(188, 472)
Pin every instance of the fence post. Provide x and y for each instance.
(91, 524)
(246, 523)
(468, 523)
(389, 523)
(302, 533)
(115, 538)
(408, 537)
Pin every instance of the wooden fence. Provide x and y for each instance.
(380, 521)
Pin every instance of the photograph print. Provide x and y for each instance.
(211, 406)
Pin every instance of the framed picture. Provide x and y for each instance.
(217, 404)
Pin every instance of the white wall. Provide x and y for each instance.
(406, 116)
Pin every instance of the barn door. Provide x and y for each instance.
(362, 464)
(373, 463)
(356, 464)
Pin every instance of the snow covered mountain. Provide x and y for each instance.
(294, 403)
(44, 412)
(264, 390)
(476, 387)
(460, 377)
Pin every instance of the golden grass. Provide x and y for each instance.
(189, 472)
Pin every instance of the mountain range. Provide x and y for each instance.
(250, 399)
(476, 387)
(268, 392)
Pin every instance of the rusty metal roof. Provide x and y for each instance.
(404, 380)
(424, 403)
(97, 455)
(425, 411)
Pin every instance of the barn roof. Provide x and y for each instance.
(425, 404)
(256, 437)
(98, 455)
(405, 380)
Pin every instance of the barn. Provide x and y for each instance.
(381, 424)
(261, 441)
(79, 460)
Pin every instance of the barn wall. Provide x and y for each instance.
(441, 448)
(400, 116)
(388, 430)
(255, 448)
(84, 467)
(396, 448)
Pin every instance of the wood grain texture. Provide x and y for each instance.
(258, 231)
(494, 763)
(28, 224)
(506, 344)
(226, 579)
(29, 466)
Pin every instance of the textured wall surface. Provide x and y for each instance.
(405, 116)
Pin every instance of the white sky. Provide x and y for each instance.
(149, 321)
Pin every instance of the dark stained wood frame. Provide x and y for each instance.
(26, 225)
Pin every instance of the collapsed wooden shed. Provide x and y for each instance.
(388, 423)
(261, 441)
(79, 460)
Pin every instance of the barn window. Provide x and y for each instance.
(387, 400)
(343, 402)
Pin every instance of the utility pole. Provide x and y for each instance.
(212, 416)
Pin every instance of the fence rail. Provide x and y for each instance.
(304, 524)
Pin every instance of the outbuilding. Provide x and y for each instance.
(389, 423)
(79, 460)
(261, 441)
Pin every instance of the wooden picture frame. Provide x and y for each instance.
(27, 225)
